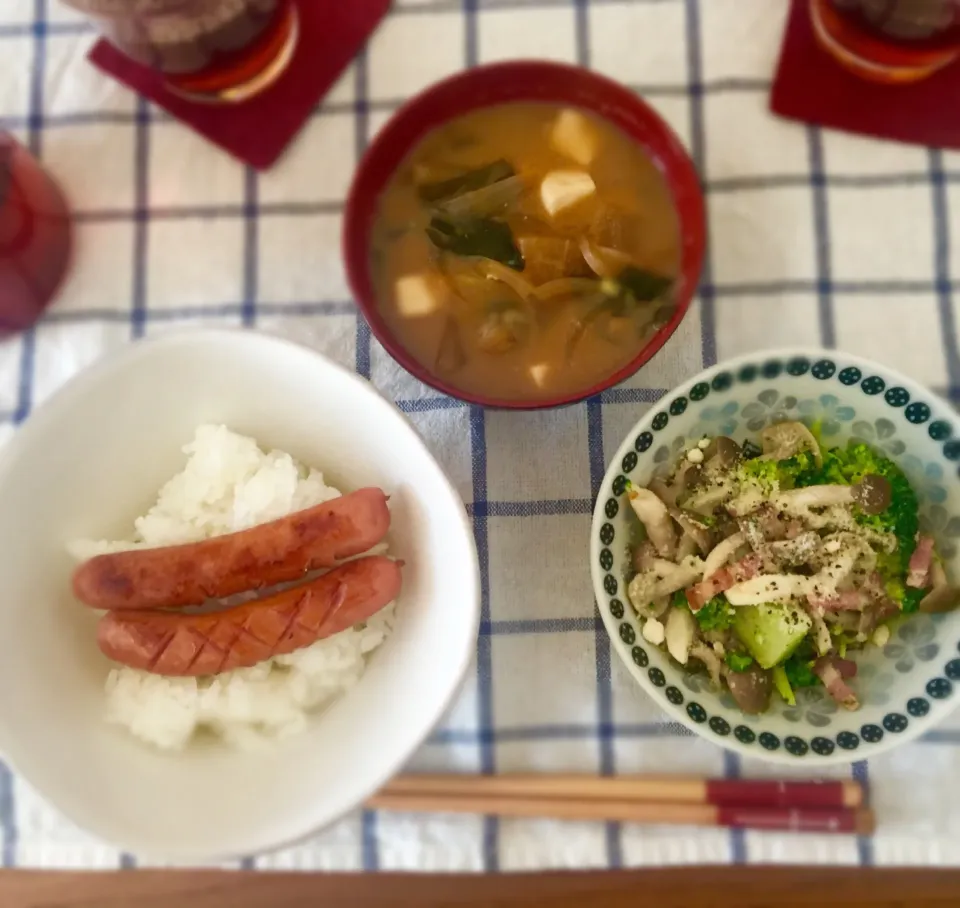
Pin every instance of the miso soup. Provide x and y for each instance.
(525, 251)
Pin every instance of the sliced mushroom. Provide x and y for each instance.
(660, 606)
(727, 526)
(814, 497)
(711, 661)
(686, 547)
(706, 501)
(751, 689)
(689, 476)
(722, 553)
(717, 638)
(681, 631)
(847, 550)
(723, 452)
(686, 478)
(873, 494)
(938, 576)
(940, 599)
(848, 620)
(667, 493)
(771, 524)
(785, 439)
(873, 616)
(728, 451)
(699, 532)
(822, 636)
(750, 528)
(643, 556)
(655, 608)
(799, 550)
(655, 517)
(768, 588)
(663, 578)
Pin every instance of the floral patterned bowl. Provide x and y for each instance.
(905, 687)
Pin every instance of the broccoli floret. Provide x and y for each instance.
(759, 470)
(911, 600)
(758, 475)
(799, 671)
(715, 615)
(679, 600)
(847, 466)
(793, 470)
(778, 475)
(738, 662)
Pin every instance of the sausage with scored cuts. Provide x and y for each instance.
(168, 643)
(276, 552)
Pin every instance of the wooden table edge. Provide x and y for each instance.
(689, 887)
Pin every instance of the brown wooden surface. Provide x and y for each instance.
(686, 888)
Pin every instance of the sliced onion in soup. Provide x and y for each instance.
(495, 271)
(603, 261)
(566, 287)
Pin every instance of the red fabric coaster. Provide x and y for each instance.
(811, 86)
(257, 131)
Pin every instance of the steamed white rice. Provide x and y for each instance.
(230, 484)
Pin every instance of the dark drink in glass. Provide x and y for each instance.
(892, 41)
(35, 237)
(208, 50)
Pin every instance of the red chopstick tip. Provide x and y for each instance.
(837, 820)
(783, 793)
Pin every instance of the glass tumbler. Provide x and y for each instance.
(35, 237)
(891, 41)
(207, 50)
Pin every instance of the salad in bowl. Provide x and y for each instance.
(775, 556)
(767, 564)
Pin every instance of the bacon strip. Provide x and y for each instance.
(918, 574)
(701, 593)
(832, 670)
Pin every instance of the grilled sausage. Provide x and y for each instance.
(265, 555)
(167, 643)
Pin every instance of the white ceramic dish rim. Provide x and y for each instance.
(122, 360)
(917, 727)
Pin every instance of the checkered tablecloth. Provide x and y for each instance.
(816, 238)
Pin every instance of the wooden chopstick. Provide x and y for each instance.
(829, 806)
(794, 819)
(641, 789)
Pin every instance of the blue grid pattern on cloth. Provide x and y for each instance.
(697, 81)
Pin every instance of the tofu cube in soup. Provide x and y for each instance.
(574, 136)
(419, 295)
(562, 189)
(540, 372)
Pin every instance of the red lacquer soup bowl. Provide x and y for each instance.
(502, 83)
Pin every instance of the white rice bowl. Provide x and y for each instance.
(230, 484)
